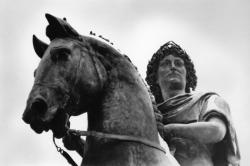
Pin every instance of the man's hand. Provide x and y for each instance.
(168, 132)
(74, 142)
(158, 118)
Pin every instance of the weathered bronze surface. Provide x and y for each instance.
(79, 74)
(197, 126)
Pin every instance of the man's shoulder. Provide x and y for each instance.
(213, 105)
(201, 93)
(211, 97)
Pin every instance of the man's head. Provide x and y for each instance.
(172, 55)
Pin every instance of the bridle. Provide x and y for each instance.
(125, 138)
(97, 134)
(67, 99)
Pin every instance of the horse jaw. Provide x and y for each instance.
(60, 125)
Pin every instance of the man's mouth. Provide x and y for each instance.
(173, 74)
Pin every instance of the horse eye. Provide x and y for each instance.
(63, 55)
(60, 55)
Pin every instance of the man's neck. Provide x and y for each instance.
(171, 93)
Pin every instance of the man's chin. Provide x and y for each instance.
(176, 85)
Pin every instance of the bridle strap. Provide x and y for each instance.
(118, 137)
(64, 153)
(67, 98)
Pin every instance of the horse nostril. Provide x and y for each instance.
(39, 106)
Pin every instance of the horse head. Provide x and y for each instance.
(67, 80)
(80, 74)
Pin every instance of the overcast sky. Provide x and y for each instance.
(215, 33)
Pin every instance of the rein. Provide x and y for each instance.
(118, 137)
(97, 134)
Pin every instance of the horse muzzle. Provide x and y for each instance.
(43, 117)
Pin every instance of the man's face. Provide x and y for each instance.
(172, 73)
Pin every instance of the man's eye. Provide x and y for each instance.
(179, 63)
(166, 63)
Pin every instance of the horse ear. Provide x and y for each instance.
(39, 46)
(59, 28)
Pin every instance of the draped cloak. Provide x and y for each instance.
(200, 107)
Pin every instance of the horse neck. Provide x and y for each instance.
(125, 109)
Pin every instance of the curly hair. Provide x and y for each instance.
(152, 68)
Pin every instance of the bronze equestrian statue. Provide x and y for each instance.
(79, 74)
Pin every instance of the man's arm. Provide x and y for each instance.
(211, 131)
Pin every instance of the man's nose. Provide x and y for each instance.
(173, 66)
